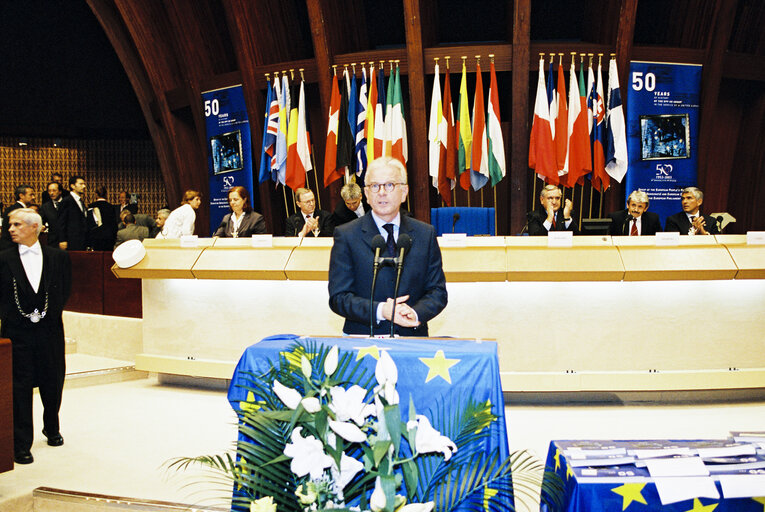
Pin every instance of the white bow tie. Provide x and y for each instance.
(33, 249)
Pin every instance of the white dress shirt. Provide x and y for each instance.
(180, 222)
(32, 260)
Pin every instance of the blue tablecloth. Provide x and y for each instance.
(629, 488)
(429, 370)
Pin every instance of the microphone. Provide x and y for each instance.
(719, 220)
(378, 244)
(625, 227)
(455, 218)
(404, 244)
(529, 216)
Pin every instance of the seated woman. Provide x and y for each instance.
(181, 220)
(242, 221)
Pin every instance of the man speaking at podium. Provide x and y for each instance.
(401, 244)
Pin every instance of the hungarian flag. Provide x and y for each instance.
(436, 130)
(361, 118)
(541, 150)
(561, 123)
(479, 168)
(616, 135)
(600, 180)
(369, 124)
(496, 155)
(447, 164)
(265, 156)
(331, 172)
(578, 156)
(398, 139)
(298, 150)
(464, 136)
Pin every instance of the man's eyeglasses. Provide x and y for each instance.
(375, 187)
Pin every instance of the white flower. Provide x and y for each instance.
(377, 499)
(264, 504)
(417, 507)
(385, 370)
(330, 362)
(290, 397)
(348, 431)
(305, 365)
(349, 467)
(307, 455)
(428, 440)
(311, 404)
(349, 404)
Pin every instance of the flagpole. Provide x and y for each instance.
(284, 193)
(494, 188)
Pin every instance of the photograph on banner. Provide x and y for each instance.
(662, 132)
(229, 148)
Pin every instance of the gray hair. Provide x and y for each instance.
(697, 193)
(639, 197)
(28, 216)
(164, 213)
(548, 188)
(387, 162)
(350, 191)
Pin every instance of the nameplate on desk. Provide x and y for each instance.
(668, 238)
(454, 240)
(755, 237)
(262, 240)
(189, 241)
(560, 239)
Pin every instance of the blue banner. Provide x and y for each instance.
(662, 132)
(229, 148)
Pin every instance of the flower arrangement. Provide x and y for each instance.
(318, 433)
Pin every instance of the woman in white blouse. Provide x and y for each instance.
(242, 221)
(181, 220)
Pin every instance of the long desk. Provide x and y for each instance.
(629, 488)
(610, 314)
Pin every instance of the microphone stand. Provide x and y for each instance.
(399, 267)
(375, 268)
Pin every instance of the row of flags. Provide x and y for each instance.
(471, 152)
(581, 136)
(364, 123)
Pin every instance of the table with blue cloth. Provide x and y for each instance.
(434, 372)
(627, 487)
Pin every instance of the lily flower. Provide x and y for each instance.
(264, 504)
(349, 468)
(385, 369)
(417, 507)
(348, 431)
(311, 404)
(290, 397)
(305, 365)
(428, 440)
(307, 455)
(330, 362)
(349, 404)
(377, 499)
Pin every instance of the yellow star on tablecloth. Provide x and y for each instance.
(569, 471)
(373, 351)
(294, 357)
(249, 404)
(557, 459)
(438, 366)
(630, 493)
(488, 494)
(761, 501)
(698, 507)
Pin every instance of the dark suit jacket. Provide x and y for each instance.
(342, 214)
(649, 223)
(132, 207)
(253, 223)
(49, 214)
(538, 217)
(350, 276)
(131, 232)
(57, 281)
(296, 221)
(102, 237)
(5, 236)
(679, 222)
(72, 225)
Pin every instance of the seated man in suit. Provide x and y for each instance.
(308, 220)
(550, 216)
(422, 290)
(634, 220)
(159, 223)
(352, 207)
(131, 231)
(690, 221)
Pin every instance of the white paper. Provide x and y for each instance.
(727, 451)
(659, 452)
(683, 466)
(189, 241)
(262, 240)
(454, 240)
(581, 453)
(755, 237)
(742, 486)
(674, 489)
(668, 238)
(560, 238)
